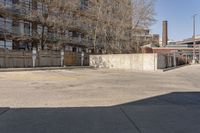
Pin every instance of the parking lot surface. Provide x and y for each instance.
(100, 101)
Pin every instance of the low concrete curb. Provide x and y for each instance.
(172, 68)
(43, 68)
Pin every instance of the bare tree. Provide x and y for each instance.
(143, 17)
(110, 26)
(117, 24)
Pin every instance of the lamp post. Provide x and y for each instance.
(194, 38)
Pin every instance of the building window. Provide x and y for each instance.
(2, 24)
(84, 4)
(75, 34)
(7, 3)
(27, 28)
(16, 27)
(9, 24)
(6, 25)
(39, 29)
(6, 44)
(28, 6)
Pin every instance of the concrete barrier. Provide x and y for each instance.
(148, 62)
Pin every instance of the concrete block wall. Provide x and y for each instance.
(147, 62)
(165, 61)
(162, 62)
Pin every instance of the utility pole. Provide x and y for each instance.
(194, 39)
(199, 53)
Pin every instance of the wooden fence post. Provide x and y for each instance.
(62, 58)
(5, 58)
(34, 53)
(24, 59)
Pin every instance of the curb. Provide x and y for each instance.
(172, 68)
(43, 68)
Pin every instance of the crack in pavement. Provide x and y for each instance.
(129, 118)
(3, 112)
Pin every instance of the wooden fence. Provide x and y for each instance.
(11, 59)
(74, 59)
(24, 59)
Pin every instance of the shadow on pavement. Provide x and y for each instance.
(171, 113)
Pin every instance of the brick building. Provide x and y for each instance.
(23, 25)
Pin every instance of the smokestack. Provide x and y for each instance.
(165, 34)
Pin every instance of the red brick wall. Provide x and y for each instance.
(147, 50)
(162, 50)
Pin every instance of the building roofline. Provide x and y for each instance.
(167, 48)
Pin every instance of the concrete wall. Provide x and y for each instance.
(162, 62)
(148, 62)
(166, 61)
(126, 61)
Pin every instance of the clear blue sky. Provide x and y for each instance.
(179, 15)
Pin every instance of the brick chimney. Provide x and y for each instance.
(165, 34)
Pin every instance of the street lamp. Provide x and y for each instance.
(194, 38)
